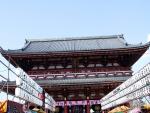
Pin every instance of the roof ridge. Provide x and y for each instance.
(76, 38)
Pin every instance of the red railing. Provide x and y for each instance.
(77, 70)
(82, 75)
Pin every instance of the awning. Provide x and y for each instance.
(119, 109)
(146, 106)
(38, 110)
(3, 107)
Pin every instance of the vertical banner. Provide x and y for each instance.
(49, 102)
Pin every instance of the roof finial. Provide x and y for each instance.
(121, 36)
(26, 41)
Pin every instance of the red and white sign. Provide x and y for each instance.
(83, 102)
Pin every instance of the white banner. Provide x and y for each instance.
(27, 96)
(27, 88)
(135, 87)
(49, 102)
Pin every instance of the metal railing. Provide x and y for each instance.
(7, 74)
(8, 77)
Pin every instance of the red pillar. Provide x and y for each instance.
(65, 105)
(88, 105)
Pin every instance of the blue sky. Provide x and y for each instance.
(27, 19)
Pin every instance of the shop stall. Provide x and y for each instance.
(10, 107)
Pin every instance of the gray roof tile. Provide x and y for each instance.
(75, 44)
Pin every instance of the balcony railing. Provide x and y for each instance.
(82, 75)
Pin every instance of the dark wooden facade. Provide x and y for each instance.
(76, 69)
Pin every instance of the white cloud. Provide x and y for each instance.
(147, 53)
(144, 59)
(148, 38)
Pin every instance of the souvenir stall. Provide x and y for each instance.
(10, 107)
(26, 95)
(135, 88)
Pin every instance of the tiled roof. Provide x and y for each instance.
(74, 44)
